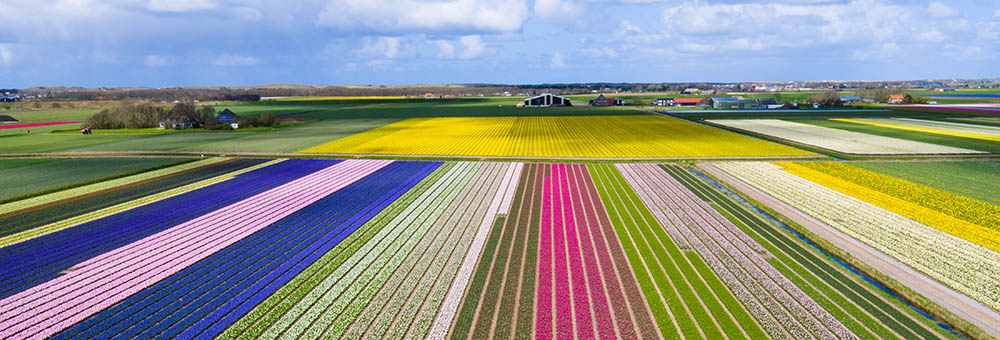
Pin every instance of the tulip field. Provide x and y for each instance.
(384, 249)
(629, 136)
(912, 228)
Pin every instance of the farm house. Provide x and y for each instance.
(546, 100)
(664, 102)
(601, 100)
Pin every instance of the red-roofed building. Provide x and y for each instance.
(895, 99)
(686, 101)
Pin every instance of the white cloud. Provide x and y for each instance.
(474, 47)
(6, 55)
(179, 5)
(558, 61)
(413, 16)
(382, 48)
(158, 60)
(880, 52)
(234, 60)
(939, 10)
(931, 35)
(445, 49)
(599, 51)
(997, 13)
(557, 9)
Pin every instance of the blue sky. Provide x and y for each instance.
(242, 42)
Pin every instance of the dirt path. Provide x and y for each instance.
(961, 305)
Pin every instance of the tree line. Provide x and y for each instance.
(130, 114)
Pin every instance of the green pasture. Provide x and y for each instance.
(320, 122)
(975, 179)
(20, 177)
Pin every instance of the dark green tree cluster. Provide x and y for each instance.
(139, 115)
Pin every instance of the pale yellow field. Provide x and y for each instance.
(638, 136)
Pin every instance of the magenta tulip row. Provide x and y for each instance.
(570, 287)
(111, 277)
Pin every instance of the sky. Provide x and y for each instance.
(162, 43)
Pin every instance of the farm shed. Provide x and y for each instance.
(546, 100)
(895, 99)
(732, 103)
(850, 99)
(601, 100)
(766, 102)
(7, 119)
(8, 99)
(686, 101)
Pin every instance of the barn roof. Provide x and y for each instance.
(7, 119)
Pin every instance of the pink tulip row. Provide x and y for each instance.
(573, 254)
(735, 256)
(588, 224)
(111, 277)
(543, 314)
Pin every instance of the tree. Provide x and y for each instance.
(828, 98)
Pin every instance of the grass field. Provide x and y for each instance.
(643, 136)
(25, 176)
(326, 121)
(958, 142)
(971, 179)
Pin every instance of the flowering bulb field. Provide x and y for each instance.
(976, 131)
(639, 136)
(967, 267)
(384, 249)
(984, 132)
(839, 140)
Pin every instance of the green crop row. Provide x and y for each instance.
(835, 289)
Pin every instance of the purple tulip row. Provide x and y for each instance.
(111, 277)
(781, 307)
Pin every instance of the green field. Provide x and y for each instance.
(324, 122)
(979, 180)
(958, 142)
(20, 177)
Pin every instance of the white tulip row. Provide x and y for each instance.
(735, 256)
(418, 297)
(962, 127)
(965, 266)
(500, 205)
(838, 140)
(361, 275)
